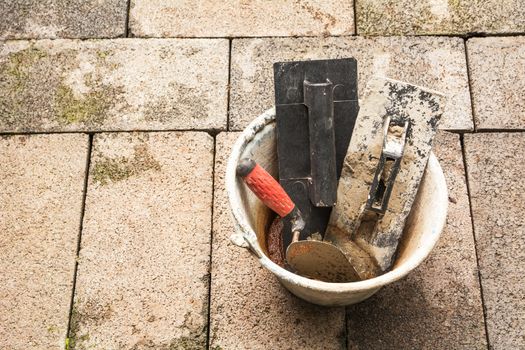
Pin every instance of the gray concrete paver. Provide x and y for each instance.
(495, 171)
(120, 84)
(497, 76)
(38, 19)
(241, 18)
(41, 192)
(432, 62)
(143, 270)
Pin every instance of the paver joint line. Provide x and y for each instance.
(211, 242)
(42, 180)
(79, 237)
(470, 93)
(463, 154)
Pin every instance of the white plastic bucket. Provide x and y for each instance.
(251, 218)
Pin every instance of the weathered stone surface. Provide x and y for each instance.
(144, 261)
(394, 17)
(437, 306)
(495, 171)
(42, 179)
(249, 308)
(23, 19)
(122, 84)
(497, 70)
(174, 18)
(435, 63)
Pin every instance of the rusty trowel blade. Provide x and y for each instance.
(321, 261)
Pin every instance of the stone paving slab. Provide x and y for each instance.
(437, 306)
(438, 17)
(42, 179)
(497, 75)
(121, 84)
(249, 308)
(32, 19)
(241, 18)
(436, 63)
(495, 171)
(143, 270)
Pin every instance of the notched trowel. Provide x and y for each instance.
(316, 107)
(383, 167)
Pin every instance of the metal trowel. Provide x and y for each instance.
(383, 167)
(316, 107)
(309, 258)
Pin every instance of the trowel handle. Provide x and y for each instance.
(265, 187)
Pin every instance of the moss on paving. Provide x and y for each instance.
(90, 312)
(391, 17)
(106, 169)
(15, 81)
(19, 63)
(191, 342)
(74, 328)
(91, 107)
(196, 340)
(34, 90)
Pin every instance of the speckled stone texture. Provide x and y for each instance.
(121, 84)
(497, 75)
(434, 17)
(437, 306)
(42, 179)
(249, 308)
(436, 63)
(495, 171)
(144, 261)
(184, 18)
(33, 19)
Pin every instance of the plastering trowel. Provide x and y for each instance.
(385, 161)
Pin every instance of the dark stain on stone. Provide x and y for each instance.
(89, 313)
(327, 19)
(15, 81)
(182, 101)
(106, 170)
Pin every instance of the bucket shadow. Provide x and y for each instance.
(412, 313)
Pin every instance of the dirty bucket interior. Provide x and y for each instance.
(263, 150)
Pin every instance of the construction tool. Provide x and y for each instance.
(309, 258)
(383, 167)
(316, 107)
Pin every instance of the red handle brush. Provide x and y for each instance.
(269, 191)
